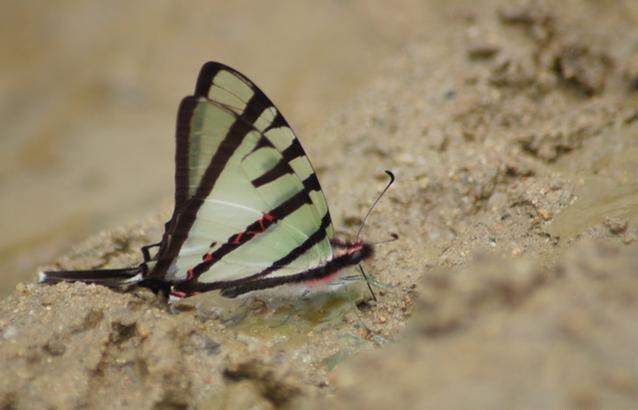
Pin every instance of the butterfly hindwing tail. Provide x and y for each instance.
(114, 278)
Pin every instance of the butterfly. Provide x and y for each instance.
(249, 211)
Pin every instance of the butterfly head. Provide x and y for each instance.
(354, 251)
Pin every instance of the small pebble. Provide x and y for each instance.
(616, 226)
(55, 348)
(482, 50)
(22, 289)
(10, 333)
(546, 215)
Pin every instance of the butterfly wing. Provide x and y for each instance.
(247, 201)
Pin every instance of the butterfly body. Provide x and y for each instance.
(249, 210)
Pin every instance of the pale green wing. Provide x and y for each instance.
(226, 225)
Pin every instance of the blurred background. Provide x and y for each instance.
(90, 92)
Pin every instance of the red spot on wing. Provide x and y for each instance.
(181, 294)
(264, 222)
(178, 293)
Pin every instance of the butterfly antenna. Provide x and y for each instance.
(365, 219)
(363, 223)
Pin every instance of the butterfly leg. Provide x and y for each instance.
(146, 253)
(374, 297)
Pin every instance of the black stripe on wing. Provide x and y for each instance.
(312, 184)
(182, 142)
(280, 169)
(293, 151)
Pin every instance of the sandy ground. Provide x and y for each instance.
(513, 132)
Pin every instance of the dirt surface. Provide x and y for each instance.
(513, 132)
